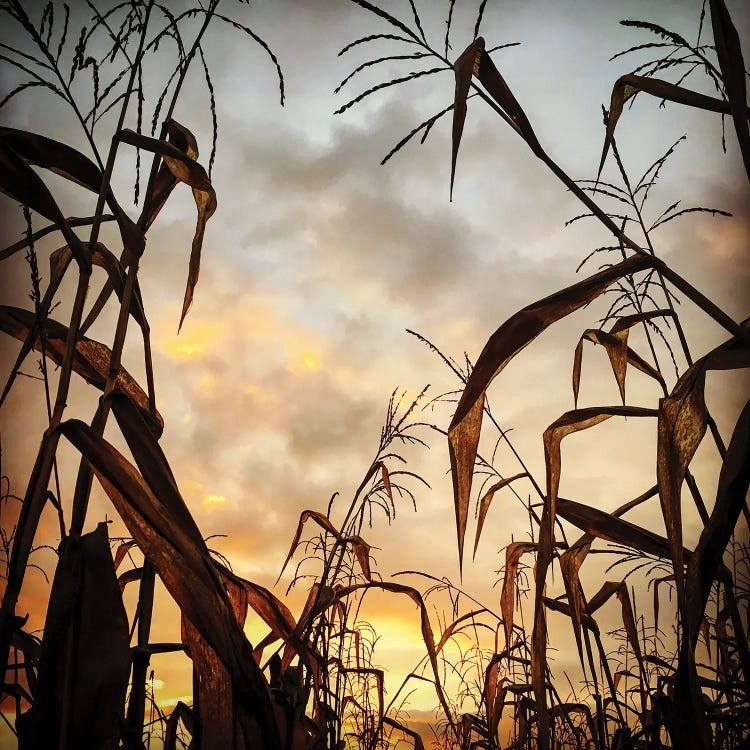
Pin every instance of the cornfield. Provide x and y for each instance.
(675, 674)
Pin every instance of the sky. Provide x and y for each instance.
(318, 259)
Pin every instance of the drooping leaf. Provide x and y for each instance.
(513, 554)
(515, 334)
(426, 628)
(129, 576)
(181, 712)
(494, 696)
(704, 564)
(682, 425)
(274, 613)
(74, 166)
(619, 353)
(570, 422)
(90, 361)
(598, 523)
(451, 629)
(498, 89)
(484, 503)
(19, 181)
(570, 565)
(183, 140)
(103, 257)
(378, 675)
(729, 52)
(161, 524)
(187, 170)
(463, 68)
(415, 736)
(628, 85)
(215, 725)
(359, 545)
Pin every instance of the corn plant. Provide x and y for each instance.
(679, 700)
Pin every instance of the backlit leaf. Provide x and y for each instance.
(514, 335)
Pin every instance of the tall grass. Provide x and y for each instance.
(312, 681)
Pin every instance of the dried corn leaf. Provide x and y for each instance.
(729, 52)
(564, 608)
(484, 503)
(85, 596)
(494, 697)
(704, 564)
(629, 85)
(185, 170)
(570, 422)
(104, 258)
(415, 736)
(161, 524)
(275, 614)
(59, 261)
(134, 574)
(216, 726)
(513, 554)
(682, 425)
(570, 565)
(628, 321)
(463, 68)
(451, 629)
(183, 140)
(515, 334)
(121, 551)
(619, 353)
(90, 360)
(498, 89)
(182, 713)
(598, 523)
(20, 182)
(74, 166)
(370, 672)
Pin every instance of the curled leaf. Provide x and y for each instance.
(184, 169)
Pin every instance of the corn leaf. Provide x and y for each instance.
(90, 361)
(729, 52)
(161, 524)
(629, 85)
(94, 654)
(187, 170)
(514, 335)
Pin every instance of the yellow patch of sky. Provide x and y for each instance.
(214, 501)
(192, 343)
